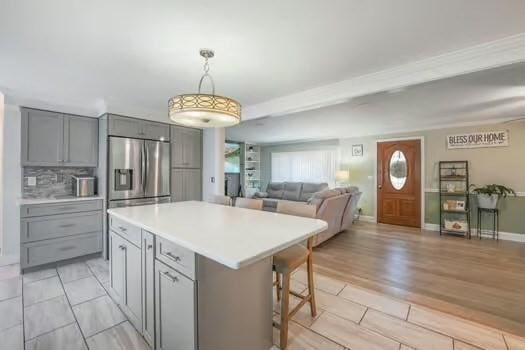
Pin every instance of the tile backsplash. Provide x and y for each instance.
(51, 181)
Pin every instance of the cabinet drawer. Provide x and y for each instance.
(59, 208)
(129, 232)
(176, 256)
(54, 226)
(51, 250)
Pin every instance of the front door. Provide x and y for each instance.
(399, 182)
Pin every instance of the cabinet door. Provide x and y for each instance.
(42, 138)
(126, 127)
(192, 148)
(117, 268)
(175, 309)
(134, 285)
(148, 287)
(177, 185)
(177, 146)
(192, 184)
(156, 131)
(80, 141)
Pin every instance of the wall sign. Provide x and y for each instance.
(478, 139)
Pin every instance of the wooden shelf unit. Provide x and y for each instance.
(454, 174)
(251, 170)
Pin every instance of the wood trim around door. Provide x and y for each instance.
(401, 205)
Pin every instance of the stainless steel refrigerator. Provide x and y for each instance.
(139, 172)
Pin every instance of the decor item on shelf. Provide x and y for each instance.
(451, 188)
(357, 150)
(489, 195)
(456, 225)
(205, 110)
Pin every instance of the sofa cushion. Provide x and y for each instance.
(275, 190)
(352, 189)
(318, 197)
(308, 190)
(341, 190)
(292, 190)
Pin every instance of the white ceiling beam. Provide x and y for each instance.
(489, 55)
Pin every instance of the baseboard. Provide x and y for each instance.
(367, 218)
(506, 236)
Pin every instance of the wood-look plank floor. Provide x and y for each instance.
(483, 281)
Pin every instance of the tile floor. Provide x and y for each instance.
(63, 308)
(67, 308)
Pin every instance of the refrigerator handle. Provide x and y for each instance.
(143, 167)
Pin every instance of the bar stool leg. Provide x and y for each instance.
(311, 287)
(285, 299)
(278, 286)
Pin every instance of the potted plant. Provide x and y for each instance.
(489, 195)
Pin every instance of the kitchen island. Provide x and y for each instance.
(195, 275)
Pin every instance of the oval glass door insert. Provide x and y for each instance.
(398, 170)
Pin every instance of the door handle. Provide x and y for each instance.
(150, 246)
(122, 247)
(380, 186)
(146, 165)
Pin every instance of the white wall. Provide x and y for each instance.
(12, 181)
(213, 162)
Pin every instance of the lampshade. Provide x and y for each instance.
(204, 110)
(342, 175)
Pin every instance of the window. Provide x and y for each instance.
(305, 166)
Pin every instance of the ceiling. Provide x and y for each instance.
(129, 57)
(483, 97)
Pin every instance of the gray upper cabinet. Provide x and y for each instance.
(156, 131)
(42, 137)
(124, 126)
(186, 147)
(81, 141)
(56, 139)
(137, 128)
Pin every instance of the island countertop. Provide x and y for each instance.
(234, 237)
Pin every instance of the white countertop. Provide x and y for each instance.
(234, 237)
(58, 199)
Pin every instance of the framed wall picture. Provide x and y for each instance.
(357, 150)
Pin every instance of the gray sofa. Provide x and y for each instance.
(290, 191)
(337, 206)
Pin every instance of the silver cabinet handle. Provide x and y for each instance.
(174, 257)
(122, 247)
(150, 246)
(170, 276)
(67, 208)
(66, 225)
(67, 248)
(122, 228)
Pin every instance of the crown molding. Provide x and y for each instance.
(480, 57)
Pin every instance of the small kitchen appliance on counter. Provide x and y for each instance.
(84, 186)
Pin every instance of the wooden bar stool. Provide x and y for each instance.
(249, 203)
(286, 262)
(220, 199)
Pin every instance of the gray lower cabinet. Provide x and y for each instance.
(57, 139)
(137, 128)
(186, 185)
(186, 147)
(48, 236)
(148, 287)
(175, 309)
(126, 277)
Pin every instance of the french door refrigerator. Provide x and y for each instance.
(139, 172)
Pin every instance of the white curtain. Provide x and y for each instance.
(305, 166)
